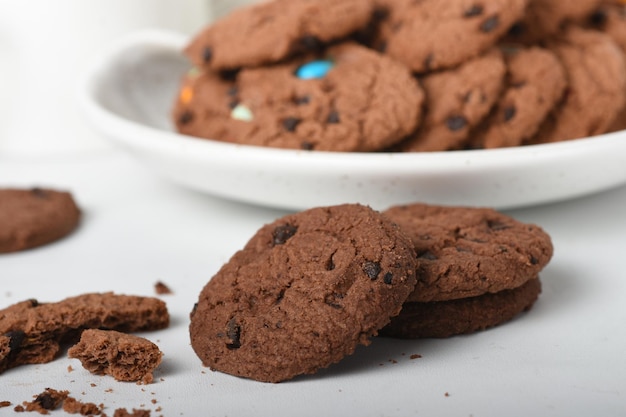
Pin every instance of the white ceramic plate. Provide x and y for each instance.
(128, 95)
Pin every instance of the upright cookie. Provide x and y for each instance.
(271, 31)
(348, 99)
(35, 217)
(466, 252)
(535, 83)
(431, 35)
(439, 319)
(545, 18)
(596, 92)
(32, 332)
(303, 293)
(457, 100)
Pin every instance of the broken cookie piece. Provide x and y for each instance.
(123, 356)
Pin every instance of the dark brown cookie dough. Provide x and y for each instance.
(535, 83)
(457, 100)
(441, 319)
(123, 356)
(270, 31)
(465, 252)
(32, 332)
(545, 18)
(303, 293)
(430, 35)
(34, 217)
(596, 72)
(365, 102)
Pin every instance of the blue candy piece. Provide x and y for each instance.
(314, 69)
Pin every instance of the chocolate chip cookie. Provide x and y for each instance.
(349, 99)
(303, 293)
(466, 252)
(535, 83)
(456, 101)
(271, 31)
(596, 93)
(35, 217)
(431, 35)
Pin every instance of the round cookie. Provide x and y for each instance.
(596, 71)
(271, 31)
(431, 35)
(303, 293)
(545, 18)
(610, 18)
(535, 84)
(34, 217)
(457, 100)
(440, 319)
(349, 99)
(465, 252)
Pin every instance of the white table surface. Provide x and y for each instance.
(566, 357)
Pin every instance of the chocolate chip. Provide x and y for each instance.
(372, 269)
(46, 401)
(310, 42)
(207, 54)
(333, 117)
(39, 193)
(283, 233)
(455, 123)
(427, 255)
(534, 260)
(490, 24)
(229, 75)
(509, 113)
(290, 123)
(475, 10)
(497, 226)
(15, 340)
(388, 278)
(518, 29)
(598, 18)
(299, 101)
(185, 117)
(233, 332)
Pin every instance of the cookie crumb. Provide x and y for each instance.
(415, 356)
(70, 368)
(122, 412)
(48, 400)
(5, 404)
(447, 394)
(162, 289)
(73, 406)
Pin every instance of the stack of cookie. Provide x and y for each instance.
(401, 75)
(311, 286)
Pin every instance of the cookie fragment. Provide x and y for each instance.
(290, 306)
(32, 332)
(33, 217)
(123, 356)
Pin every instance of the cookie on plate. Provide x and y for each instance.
(271, 31)
(32, 332)
(545, 18)
(303, 293)
(35, 217)
(348, 98)
(535, 83)
(441, 319)
(431, 35)
(457, 100)
(596, 92)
